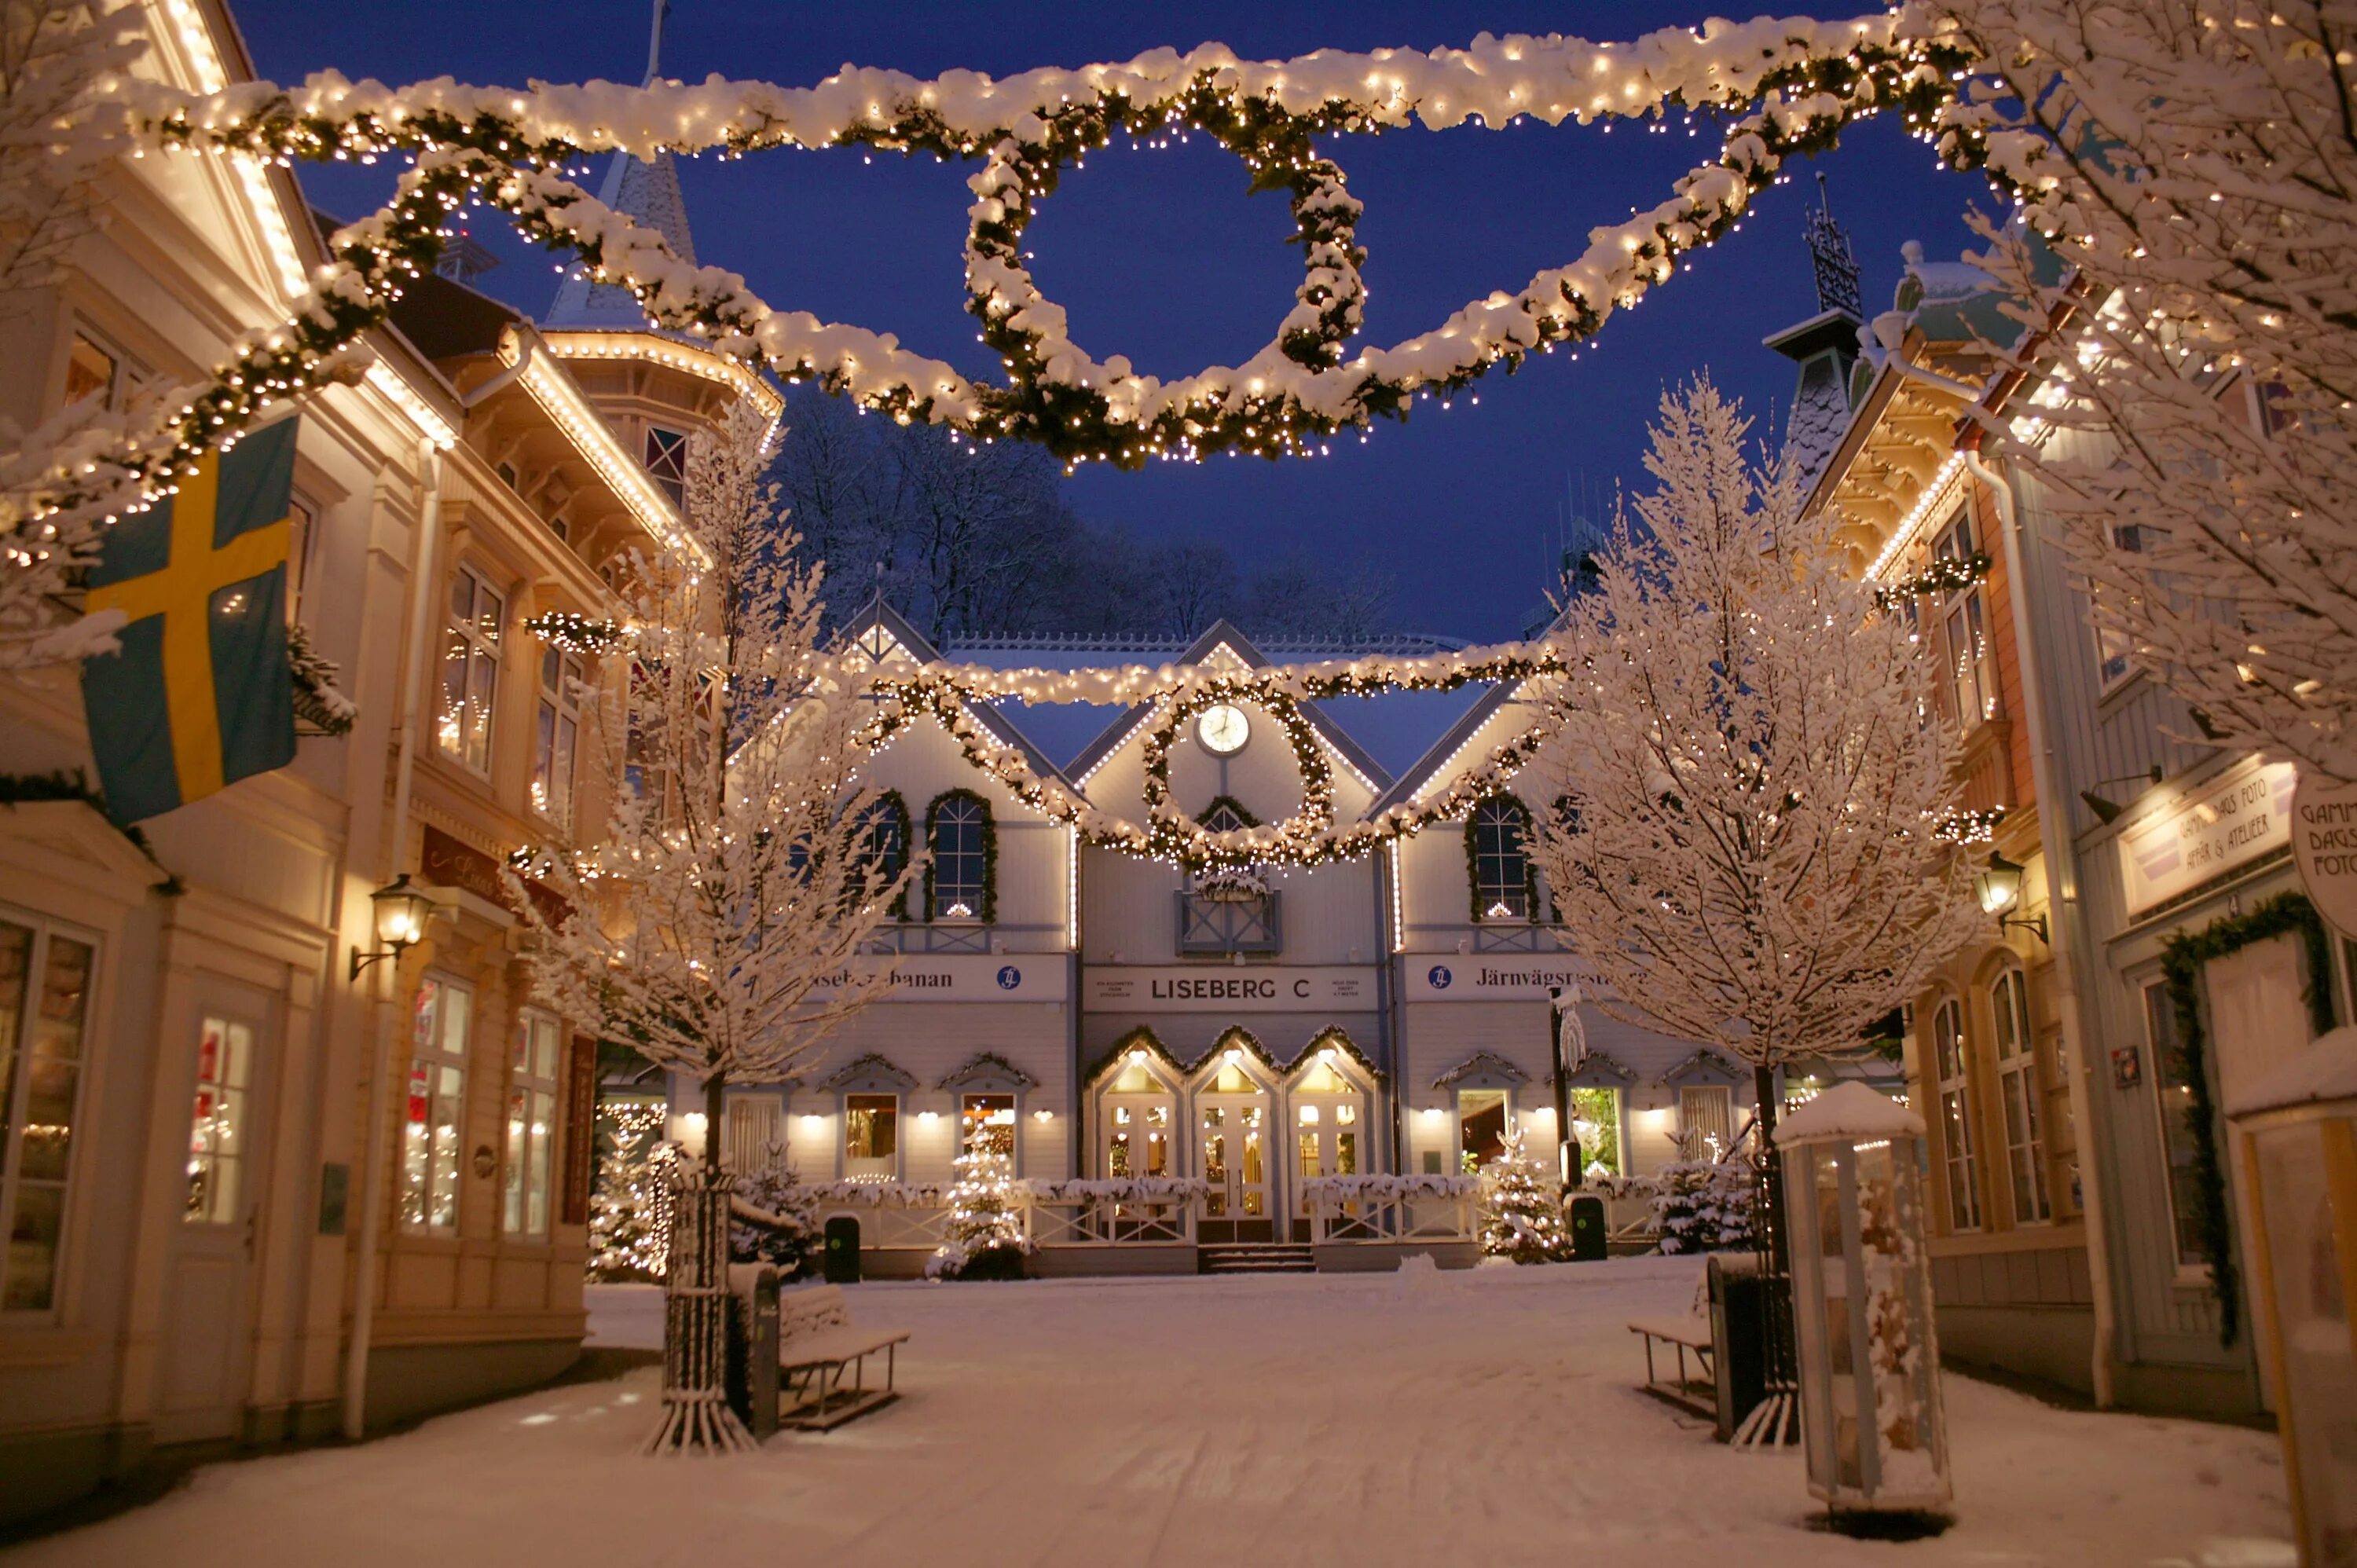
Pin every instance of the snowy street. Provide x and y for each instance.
(1485, 1416)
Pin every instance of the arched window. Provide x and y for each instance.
(1226, 815)
(2017, 1091)
(958, 883)
(1503, 886)
(1949, 1051)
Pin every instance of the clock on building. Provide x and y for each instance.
(1223, 730)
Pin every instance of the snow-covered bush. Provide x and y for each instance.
(782, 1228)
(1706, 1205)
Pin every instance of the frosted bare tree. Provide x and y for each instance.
(718, 927)
(1746, 850)
(2196, 164)
(57, 132)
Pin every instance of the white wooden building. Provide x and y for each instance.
(1105, 1018)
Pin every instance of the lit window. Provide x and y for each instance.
(92, 372)
(2178, 1142)
(666, 458)
(871, 1136)
(43, 1019)
(1950, 1050)
(960, 873)
(470, 670)
(986, 1124)
(1707, 1120)
(431, 1127)
(1496, 837)
(217, 1121)
(1595, 1122)
(531, 1124)
(2017, 1089)
(1480, 1126)
(555, 738)
(1964, 616)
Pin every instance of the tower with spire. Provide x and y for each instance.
(655, 388)
(1826, 346)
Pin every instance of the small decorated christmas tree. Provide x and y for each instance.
(784, 1197)
(1522, 1206)
(629, 1206)
(985, 1239)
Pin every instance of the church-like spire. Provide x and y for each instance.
(1824, 346)
(648, 194)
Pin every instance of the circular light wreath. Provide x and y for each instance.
(1174, 834)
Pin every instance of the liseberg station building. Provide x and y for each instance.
(1119, 1025)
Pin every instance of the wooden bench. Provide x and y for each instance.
(1682, 1333)
(808, 1361)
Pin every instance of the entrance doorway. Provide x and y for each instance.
(1330, 1132)
(206, 1327)
(1233, 1121)
(1138, 1125)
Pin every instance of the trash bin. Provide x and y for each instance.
(1587, 1231)
(1740, 1299)
(842, 1260)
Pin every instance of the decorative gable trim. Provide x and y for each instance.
(1601, 1071)
(1140, 1039)
(987, 1072)
(1334, 1037)
(1236, 1037)
(1482, 1069)
(870, 1074)
(1704, 1067)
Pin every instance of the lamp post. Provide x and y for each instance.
(2298, 1128)
(1870, 1409)
(1563, 1011)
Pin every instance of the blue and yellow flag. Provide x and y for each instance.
(199, 695)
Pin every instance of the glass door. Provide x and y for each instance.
(1236, 1133)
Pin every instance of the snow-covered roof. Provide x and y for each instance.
(2326, 1070)
(1849, 1111)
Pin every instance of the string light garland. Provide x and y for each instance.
(1803, 81)
(575, 632)
(1945, 575)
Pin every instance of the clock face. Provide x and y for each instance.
(1223, 730)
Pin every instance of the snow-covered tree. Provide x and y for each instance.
(60, 125)
(717, 926)
(1706, 1205)
(2195, 163)
(1744, 848)
(985, 1238)
(1521, 1206)
(777, 1222)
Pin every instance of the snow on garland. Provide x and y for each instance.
(1945, 575)
(1331, 1192)
(1808, 81)
(318, 701)
(937, 1195)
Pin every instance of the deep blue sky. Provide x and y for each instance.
(1163, 256)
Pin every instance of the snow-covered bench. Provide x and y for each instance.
(808, 1361)
(1689, 1332)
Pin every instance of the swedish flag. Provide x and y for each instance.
(199, 695)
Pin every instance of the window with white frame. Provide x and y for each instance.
(2019, 1094)
(1497, 838)
(1706, 1119)
(433, 1124)
(44, 980)
(556, 734)
(1480, 1126)
(217, 1130)
(753, 1136)
(531, 1122)
(666, 458)
(1964, 619)
(470, 669)
(2114, 653)
(959, 835)
(871, 1137)
(2174, 1091)
(1950, 1053)
(96, 369)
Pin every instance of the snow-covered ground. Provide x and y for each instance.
(1489, 1416)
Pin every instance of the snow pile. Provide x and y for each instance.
(2326, 1071)
(1850, 1112)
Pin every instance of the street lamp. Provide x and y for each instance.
(2000, 889)
(401, 910)
(1563, 1006)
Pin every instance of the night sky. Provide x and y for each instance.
(1163, 256)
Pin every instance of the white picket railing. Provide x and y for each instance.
(1391, 1208)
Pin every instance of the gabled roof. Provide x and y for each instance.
(1224, 633)
(1482, 1069)
(648, 194)
(877, 616)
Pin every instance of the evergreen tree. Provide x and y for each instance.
(630, 1233)
(1522, 1206)
(781, 1195)
(985, 1239)
(1706, 1205)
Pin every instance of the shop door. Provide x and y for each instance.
(1236, 1142)
(2259, 1021)
(208, 1327)
(1329, 1140)
(1137, 1136)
